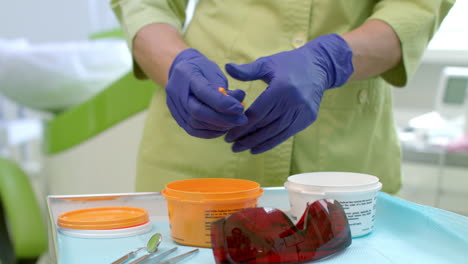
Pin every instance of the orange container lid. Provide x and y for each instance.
(101, 218)
(212, 189)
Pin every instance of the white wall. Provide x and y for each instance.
(54, 20)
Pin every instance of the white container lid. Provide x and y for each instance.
(330, 182)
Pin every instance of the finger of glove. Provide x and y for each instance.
(238, 94)
(198, 124)
(178, 96)
(203, 113)
(272, 142)
(214, 75)
(207, 93)
(261, 109)
(181, 101)
(200, 133)
(248, 72)
(218, 80)
(296, 126)
(263, 134)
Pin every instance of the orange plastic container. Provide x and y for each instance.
(193, 204)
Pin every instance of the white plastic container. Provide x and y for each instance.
(111, 233)
(356, 192)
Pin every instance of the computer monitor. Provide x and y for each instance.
(452, 92)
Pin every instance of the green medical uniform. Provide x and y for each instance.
(355, 129)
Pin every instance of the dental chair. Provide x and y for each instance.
(92, 147)
(23, 235)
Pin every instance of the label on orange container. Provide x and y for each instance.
(191, 222)
(103, 218)
(194, 204)
(217, 213)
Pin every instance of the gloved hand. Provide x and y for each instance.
(194, 100)
(296, 82)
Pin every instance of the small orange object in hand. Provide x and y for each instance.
(223, 91)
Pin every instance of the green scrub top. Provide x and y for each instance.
(354, 130)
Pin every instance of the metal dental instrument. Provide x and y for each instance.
(155, 258)
(151, 246)
(176, 258)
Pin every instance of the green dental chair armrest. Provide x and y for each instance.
(121, 100)
(25, 225)
(117, 33)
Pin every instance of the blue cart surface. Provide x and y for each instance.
(404, 232)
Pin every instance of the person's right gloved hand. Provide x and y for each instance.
(194, 100)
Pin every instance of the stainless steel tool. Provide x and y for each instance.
(155, 258)
(151, 246)
(175, 259)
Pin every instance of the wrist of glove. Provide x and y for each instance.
(332, 53)
(296, 82)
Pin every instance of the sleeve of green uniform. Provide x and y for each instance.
(133, 15)
(415, 22)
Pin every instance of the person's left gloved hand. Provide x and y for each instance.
(296, 82)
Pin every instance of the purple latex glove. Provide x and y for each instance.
(194, 100)
(296, 82)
